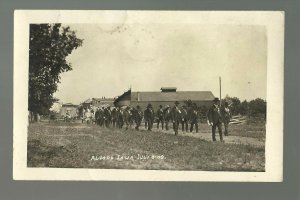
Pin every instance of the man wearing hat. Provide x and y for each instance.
(214, 119)
(114, 117)
(97, 116)
(149, 116)
(167, 116)
(226, 115)
(176, 116)
(138, 116)
(127, 117)
(194, 117)
(145, 118)
(120, 120)
(184, 118)
(160, 117)
(107, 116)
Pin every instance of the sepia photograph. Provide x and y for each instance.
(148, 95)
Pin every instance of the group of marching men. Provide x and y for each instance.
(128, 117)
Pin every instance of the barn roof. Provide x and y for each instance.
(168, 89)
(69, 105)
(173, 96)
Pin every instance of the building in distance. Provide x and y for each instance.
(97, 102)
(167, 96)
(70, 108)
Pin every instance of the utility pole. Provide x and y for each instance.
(220, 89)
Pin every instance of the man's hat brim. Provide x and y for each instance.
(216, 100)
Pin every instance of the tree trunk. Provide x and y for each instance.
(33, 117)
(37, 117)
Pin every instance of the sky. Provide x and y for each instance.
(146, 57)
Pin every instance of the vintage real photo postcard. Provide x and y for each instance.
(148, 95)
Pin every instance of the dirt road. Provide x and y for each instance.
(206, 135)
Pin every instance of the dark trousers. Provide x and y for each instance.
(175, 127)
(98, 121)
(162, 123)
(184, 123)
(101, 121)
(120, 123)
(114, 122)
(192, 126)
(150, 124)
(138, 123)
(167, 124)
(219, 125)
(107, 122)
(226, 128)
(127, 122)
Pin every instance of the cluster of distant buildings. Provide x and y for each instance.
(166, 96)
(74, 110)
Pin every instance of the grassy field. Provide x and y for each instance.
(75, 145)
(250, 129)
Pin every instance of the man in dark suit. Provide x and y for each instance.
(149, 116)
(194, 117)
(184, 118)
(138, 116)
(160, 117)
(114, 117)
(226, 117)
(120, 119)
(107, 116)
(167, 116)
(176, 116)
(127, 116)
(214, 119)
(97, 116)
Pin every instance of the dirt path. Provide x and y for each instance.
(203, 134)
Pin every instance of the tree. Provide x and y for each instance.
(49, 46)
(234, 103)
(244, 108)
(258, 107)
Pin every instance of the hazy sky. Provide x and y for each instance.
(146, 57)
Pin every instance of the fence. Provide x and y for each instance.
(238, 119)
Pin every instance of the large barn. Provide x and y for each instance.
(167, 96)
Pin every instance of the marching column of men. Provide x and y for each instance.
(118, 117)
